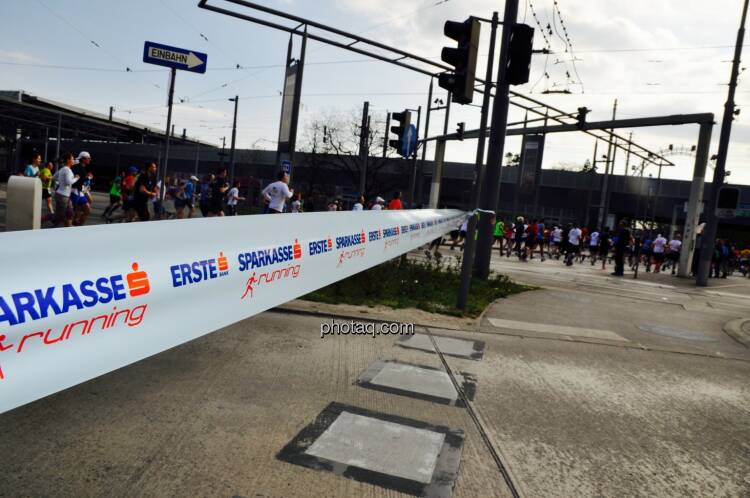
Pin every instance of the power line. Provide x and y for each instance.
(83, 34)
(568, 42)
(197, 30)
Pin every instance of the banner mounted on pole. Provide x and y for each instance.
(130, 291)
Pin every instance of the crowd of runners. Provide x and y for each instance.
(644, 250)
(137, 194)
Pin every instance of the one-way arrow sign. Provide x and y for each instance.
(176, 58)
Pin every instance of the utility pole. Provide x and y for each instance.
(221, 154)
(170, 131)
(420, 171)
(601, 218)
(592, 176)
(236, 101)
(627, 157)
(412, 182)
(491, 184)
(363, 132)
(709, 232)
(111, 110)
(499, 120)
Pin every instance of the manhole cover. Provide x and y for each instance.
(666, 331)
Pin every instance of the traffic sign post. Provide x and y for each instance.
(174, 58)
(286, 167)
(410, 141)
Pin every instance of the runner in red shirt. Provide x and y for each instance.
(395, 203)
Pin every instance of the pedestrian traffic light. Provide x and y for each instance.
(460, 130)
(518, 64)
(460, 81)
(403, 120)
(581, 117)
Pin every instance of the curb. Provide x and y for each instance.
(333, 314)
(739, 330)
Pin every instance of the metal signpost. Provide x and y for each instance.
(174, 58)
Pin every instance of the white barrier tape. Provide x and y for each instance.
(76, 303)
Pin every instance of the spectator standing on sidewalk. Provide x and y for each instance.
(277, 193)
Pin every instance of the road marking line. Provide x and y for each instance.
(556, 329)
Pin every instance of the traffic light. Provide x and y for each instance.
(460, 130)
(460, 82)
(519, 54)
(404, 120)
(581, 117)
(729, 198)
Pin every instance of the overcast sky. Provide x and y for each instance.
(655, 57)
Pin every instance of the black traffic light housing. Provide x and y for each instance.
(460, 82)
(404, 120)
(518, 65)
(460, 130)
(581, 117)
(729, 198)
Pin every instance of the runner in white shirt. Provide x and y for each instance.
(378, 206)
(674, 252)
(233, 197)
(277, 193)
(359, 205)
(658, 250)
(574, 241)
(593, 247)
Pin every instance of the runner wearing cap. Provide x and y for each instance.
(378, 206)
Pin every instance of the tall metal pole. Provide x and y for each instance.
(197, 156)
(695, 201)
(236, 101)
(627, 157)
(46, 143)
(57, 143)
(163, 190)
(501, 100)
(601, 218)
(413, 180)
(709, 233)
(592, 176)
(363, 148)
(297, 98)
(420, 171)
(491, 185)
(656, 197)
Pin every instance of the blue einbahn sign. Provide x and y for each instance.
(175, 58)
